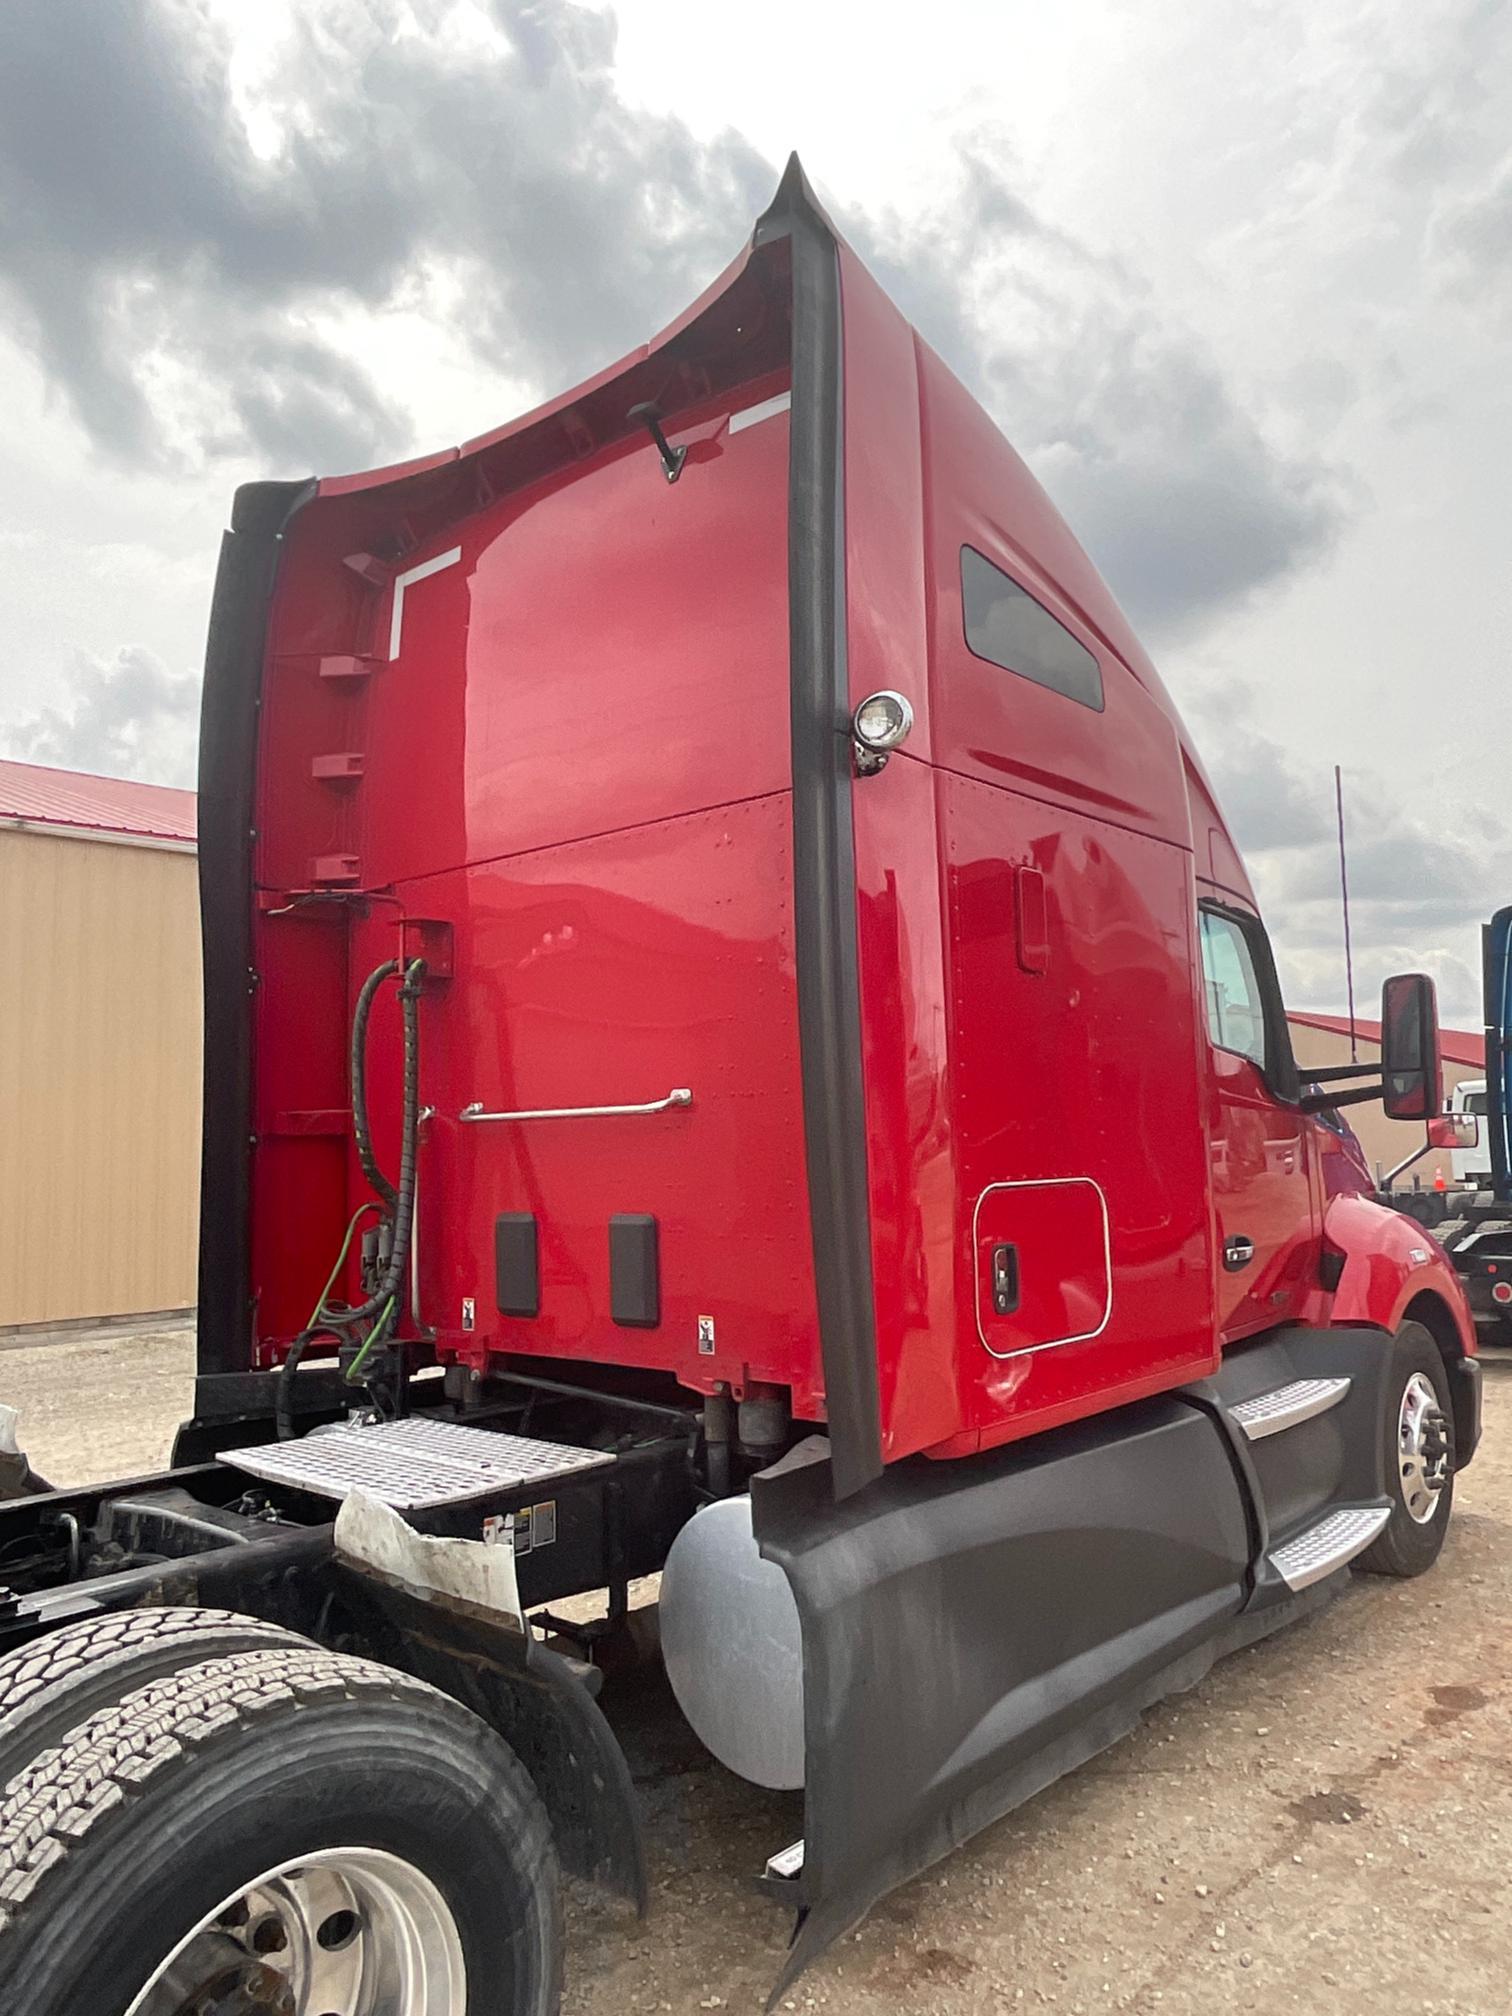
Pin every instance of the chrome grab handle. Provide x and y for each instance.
(678, 1096)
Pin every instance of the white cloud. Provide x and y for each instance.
(129, 717)
(1233, 283)
(1419, 886)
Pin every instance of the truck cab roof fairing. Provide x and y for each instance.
(795, 257)
(386, 512)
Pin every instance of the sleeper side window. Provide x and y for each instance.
(1236, 1015)
(1006, 626)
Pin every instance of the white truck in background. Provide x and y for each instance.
(1470, 1158)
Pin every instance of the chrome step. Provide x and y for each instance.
(1286, 1406)
(1331, 1544)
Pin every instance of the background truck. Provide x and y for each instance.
(1451, 1151)
(1478, 1237)
(738, 1043)
(1470, 1157)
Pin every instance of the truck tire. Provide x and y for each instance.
(288, 1828)
(1418, 1426)
(51, 1685)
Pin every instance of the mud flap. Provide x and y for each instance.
(449, 1611)
(973, 1630)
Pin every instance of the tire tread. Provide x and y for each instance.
(76, 1647)
(57, 1681)
(122, 1752)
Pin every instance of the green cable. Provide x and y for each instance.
(373, 1337)
(316, 1313)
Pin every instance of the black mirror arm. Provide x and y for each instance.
(1316, 1102)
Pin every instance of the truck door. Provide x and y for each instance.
(1497, 956)
(1262, 1198)
(1468, 1164)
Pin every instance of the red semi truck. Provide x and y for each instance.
(737, 1043)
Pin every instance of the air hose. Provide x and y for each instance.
(357, 1071)
(398, 1205)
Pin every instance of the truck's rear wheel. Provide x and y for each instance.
(51, 1685)
(1418, 1425)
(285, 1831)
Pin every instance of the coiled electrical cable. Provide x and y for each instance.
(398, 1205)
(357, 1073)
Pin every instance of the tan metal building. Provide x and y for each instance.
(1321, 1040)
(99, 1047)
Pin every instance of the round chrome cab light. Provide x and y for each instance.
(882, 721)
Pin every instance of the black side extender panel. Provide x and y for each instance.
(227, 794)
(824, 870)
(986, 1625)
(634, 1270)
(517, 1264)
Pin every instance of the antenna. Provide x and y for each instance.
(1354, 1049)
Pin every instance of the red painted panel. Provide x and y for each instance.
(611, 648)
(906, 1060)
(301, 1014)
(606, 652)
(607, 972)
(900, 918)
(1390, 1262)
(1121, 764)
(886, 585)
(1262, 1193)
(1057, 1039)
(1087, 1070)
(606, 648)
(1059, 1240)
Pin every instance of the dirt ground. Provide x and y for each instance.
(1324, 1825)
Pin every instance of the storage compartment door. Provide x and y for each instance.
(1043, 1274)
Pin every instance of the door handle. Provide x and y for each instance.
(1237, 1253)
(1005, 1280)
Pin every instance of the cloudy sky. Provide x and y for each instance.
(1236, 279)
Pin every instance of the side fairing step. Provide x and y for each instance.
(1329, 1545)
(412, 1464)
(1286, 1406)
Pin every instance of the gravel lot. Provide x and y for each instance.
(1325, 1825)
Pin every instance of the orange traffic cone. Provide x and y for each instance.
(1438, 1177)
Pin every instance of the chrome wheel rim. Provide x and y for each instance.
(341, 1932)
(1422, 1448)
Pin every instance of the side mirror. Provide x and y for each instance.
(1412, 1078)
(1453, 1130)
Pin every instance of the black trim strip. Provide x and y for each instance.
(1496, 974)
(234, 653)
(824, 868)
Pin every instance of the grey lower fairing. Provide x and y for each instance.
(974, 1630)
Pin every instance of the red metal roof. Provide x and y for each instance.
(45, 797)
(1459, 1046)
